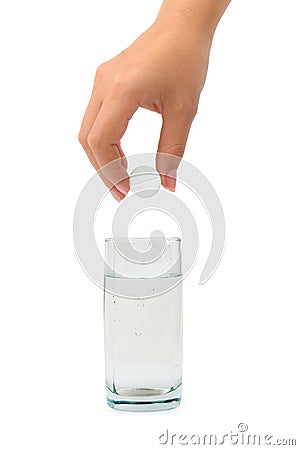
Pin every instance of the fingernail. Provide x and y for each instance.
(122, 187)
(116, 194)
(170, 180)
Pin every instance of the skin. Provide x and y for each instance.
(163, 71)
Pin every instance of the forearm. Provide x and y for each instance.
(195, 15)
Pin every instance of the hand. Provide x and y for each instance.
(164, 71)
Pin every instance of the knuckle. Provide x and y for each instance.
(101, 70)
(176, 150)
(120, 86)
(194, 109)
(186, 108)
(93, 141)
(82, 139)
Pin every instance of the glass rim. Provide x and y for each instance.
(155, 238)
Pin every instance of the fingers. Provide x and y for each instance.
(114, 191)
(88, 120)
(174, 134)
(87, 123)
(115, 151)
(124, 161)
(104, 141)
(105, 122)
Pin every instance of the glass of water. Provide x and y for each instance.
(143, 323)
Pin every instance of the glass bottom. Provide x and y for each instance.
(143, 399)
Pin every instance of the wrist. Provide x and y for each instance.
(196, 17)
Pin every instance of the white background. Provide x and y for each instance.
(241, 329)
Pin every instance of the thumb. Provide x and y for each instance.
(173, 137)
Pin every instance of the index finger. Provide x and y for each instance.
(104, 138)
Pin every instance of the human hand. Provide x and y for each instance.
(164, 71)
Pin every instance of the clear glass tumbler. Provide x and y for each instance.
(143, 323)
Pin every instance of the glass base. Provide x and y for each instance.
(144, 399)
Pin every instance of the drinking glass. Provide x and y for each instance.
(143, 323)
